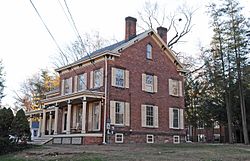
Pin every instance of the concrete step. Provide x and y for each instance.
(41, 140)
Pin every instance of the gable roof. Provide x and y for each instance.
(121, 45)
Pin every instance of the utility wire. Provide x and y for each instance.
(48, 29)
(55, 40)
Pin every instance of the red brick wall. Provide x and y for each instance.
(92, 140)
(134, 60)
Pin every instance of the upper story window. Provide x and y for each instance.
(120, 78)
(96, 78)
(149, 51)
(119, 113)
(176, 118)
(149, 83)
(149, 116)
(175, 87)
(66, 86)
(81, 82)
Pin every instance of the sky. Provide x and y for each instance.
(26, 47)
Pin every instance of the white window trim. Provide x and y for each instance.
(144, 118)
(150, 142)
(116, 141)
(176, 136)
(126, 115)
(179, 88)
(123, 113)
(180, 118)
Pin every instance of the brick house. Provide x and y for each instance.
(128, 92)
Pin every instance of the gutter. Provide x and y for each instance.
(105, 101)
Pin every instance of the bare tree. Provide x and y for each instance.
(77, 49)
(179, 23)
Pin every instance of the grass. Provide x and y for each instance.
(150, 152)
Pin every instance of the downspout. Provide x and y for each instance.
(105, 101)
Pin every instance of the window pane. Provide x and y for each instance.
(81, 83)
(66, 86)
(119, 77)
(96, 114)
(97, 78)
(149, 83)
(149, 116)
(149, 51)
(175, 118)
(119, 112)
(175, 88)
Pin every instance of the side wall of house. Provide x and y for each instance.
(134, 60)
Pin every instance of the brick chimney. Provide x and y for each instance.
(130, 28)
(162, 31)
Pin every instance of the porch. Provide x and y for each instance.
(70, 118)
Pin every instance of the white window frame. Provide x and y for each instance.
(149, 48)
(67, 86)
(81, 81)
(116, 137)
(144, 116)
(180, 118)
(178, 112)
(97, 78)
(149, 86)
(122, 106)
(216, 125)
(175, 88)
(122, 78)
(201, 138)
(178, 139)
(150, 140)
(151, 107)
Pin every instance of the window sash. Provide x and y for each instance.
(97, 78)
(149, 51)
(175, 118)
(149, 116)
(118, 138)
(81, 83)
(119, 113)
(149, 83)
(119, 77)
(96, 116)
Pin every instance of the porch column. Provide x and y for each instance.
(44, 122)
(56, 120)
(40, 125)
(84, 106)
(68, 118)
(50, 122)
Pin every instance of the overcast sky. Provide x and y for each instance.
(26, 47)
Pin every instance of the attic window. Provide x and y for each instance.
(149, 51)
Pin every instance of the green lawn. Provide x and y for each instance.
(148, 152)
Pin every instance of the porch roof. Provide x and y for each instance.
(72, 96)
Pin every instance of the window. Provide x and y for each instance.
(119, 113)
(81, 82)
(94, 116)
(149, 116)
(150, 138)
(96, 78)
(120, 78)
(67, 83)
(175, 87)
(176, 139)
(176, 118)
(118, 138)
(149, 51)
(149, 83)
(78, 117)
